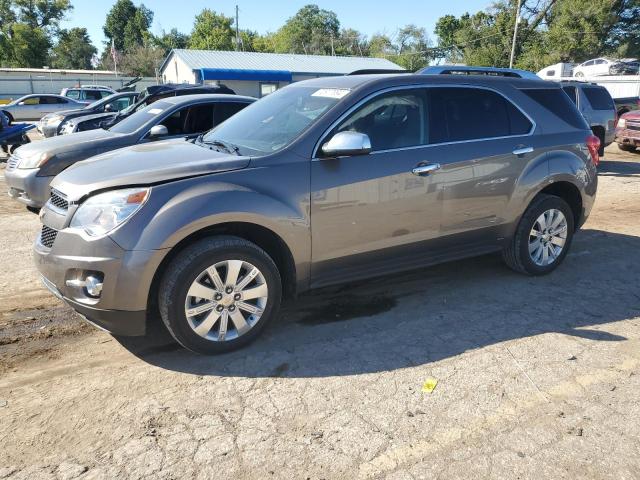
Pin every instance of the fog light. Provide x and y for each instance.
(92, 284)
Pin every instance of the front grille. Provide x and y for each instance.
(48, 236)
(58, 200)
(12, 162)
(633, 126)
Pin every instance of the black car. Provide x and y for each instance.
(49, 125)
(146, 97)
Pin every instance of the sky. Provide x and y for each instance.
(369, 17)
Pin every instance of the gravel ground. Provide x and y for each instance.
(537, 377)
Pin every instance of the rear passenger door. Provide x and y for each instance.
(480, 140)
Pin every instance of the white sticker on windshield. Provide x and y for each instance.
(155, 111)
(336, 93)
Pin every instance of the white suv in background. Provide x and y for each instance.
(87, 93)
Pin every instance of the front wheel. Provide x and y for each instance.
(543, 237)
(218, 294)
(626, 147)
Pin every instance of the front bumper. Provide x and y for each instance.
(626, 136)
(27, 187)
(127, 277)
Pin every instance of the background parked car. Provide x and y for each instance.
(628, 104)
(601, 66)
(146, 97)
(597, 107)
(87, 93)
(35, 106)
(50, 123)
(628, 131)
(30, 170)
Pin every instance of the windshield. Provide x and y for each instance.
(141, 118)
(275, 121)
(99, 103)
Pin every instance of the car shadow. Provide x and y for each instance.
(619, 168)
(428, 315)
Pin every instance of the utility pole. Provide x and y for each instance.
(237, 31)
(515, 35)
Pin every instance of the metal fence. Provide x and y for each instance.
(13, 86)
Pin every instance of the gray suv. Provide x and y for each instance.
(322, 182)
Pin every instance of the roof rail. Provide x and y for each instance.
(368, 71)
(471, 70)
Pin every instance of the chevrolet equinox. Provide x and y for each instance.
(324, 181)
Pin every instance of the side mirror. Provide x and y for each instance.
(347, 143)
(158, 131)
(21, 103)
(108, 107)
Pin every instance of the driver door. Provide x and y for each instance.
(370, 212)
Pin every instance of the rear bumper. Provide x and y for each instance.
(27, 187)
(117, 322)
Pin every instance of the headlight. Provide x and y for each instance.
(35, 161)
(66, 127)
(104, 212)
(622, 123)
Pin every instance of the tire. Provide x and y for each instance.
(188, 273)
(626, 147)
(9, 116)
(579, 75)
(517, 256)
(35, 210)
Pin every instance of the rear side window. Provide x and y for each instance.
(75, 94)
(572, 92)
(599, 98)
(558, 103)
(92, 95)
(459, 114)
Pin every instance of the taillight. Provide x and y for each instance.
(593, 144)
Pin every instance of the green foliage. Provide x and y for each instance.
(27, 29)
(127, 25)
(212, 31)
(309, 31)
(170, 40)
(74, 50)
(142, 61)
(29, 46)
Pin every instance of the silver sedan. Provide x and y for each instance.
(35, 106)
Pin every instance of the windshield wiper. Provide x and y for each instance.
(229, 147)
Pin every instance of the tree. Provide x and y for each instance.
(167, 41)
(44, 14)
(141, 61)
(351, 42)
(74, 50)
(29, 47)
(311, 30)
(212, 31)
(127, 25)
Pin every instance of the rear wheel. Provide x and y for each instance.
(218, 294)
(543, 236)
(579, 74)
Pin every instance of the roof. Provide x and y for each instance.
(391, 80)
(56, 70)
(284, 62)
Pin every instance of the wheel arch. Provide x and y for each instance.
(263, 237)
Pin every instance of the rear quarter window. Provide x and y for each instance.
(556, 101)
(599, 98)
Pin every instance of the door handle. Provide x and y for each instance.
(522, 150)
(425, 169)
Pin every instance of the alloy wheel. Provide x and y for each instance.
(226, 300)
(548, 237)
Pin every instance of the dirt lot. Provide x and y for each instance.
(538, 377)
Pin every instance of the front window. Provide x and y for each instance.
(74, 94)
(275, 121)
(141, 118)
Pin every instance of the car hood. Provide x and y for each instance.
(67, 112)
(146, 164)
(94, 116)
(68, 143)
